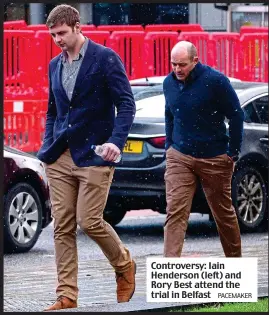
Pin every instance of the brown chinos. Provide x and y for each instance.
(181, 176)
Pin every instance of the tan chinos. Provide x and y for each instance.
(78, 196)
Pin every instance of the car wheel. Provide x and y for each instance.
(249, 194)
(22, 218)
(114, 217)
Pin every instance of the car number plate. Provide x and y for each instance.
(132, 146)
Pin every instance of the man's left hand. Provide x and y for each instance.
(110, 152)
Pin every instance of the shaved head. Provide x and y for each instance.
(183, 59)
(187, 47)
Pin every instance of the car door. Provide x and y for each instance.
(261, 106)
(256, 126)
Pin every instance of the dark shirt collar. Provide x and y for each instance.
(195, 72)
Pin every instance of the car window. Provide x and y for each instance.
(261, 106)
(151, 107)
(250, 114)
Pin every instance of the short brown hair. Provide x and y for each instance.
(63, 14)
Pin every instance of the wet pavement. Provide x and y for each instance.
(29, 284)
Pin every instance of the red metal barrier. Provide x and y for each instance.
(88, 27)
(43, 27)
(202, 42)
(99, 37)
(21, 105)
(174, 28)
(252, 29)
(130, 47)
(22, 131)
(27, 54)
(225, 48)
(47, 50)
(112, 28)
(19, 68)
(254, 66)
(15, 25)
(157, 49)
(20, 93)
(37, 27)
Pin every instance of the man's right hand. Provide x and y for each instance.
(110, 152)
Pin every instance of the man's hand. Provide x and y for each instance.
(110, 152)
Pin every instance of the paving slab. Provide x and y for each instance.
(33, 289)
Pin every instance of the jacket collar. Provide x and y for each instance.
(87, 62)
(195, 72)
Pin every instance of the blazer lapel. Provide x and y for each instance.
(59, 79)
(88, 60)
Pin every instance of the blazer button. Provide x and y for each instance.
(69, 125)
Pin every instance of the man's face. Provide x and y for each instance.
(182, 64)
(65, 36)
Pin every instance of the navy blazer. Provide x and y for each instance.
(89, 118)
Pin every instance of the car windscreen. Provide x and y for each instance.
(148, 92)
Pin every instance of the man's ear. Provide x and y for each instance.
(77, 28)
(195, 59)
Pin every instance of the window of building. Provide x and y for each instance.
(15, 11)
(172, 13)
(111, 13)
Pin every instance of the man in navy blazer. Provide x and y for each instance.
(87, 85)
(89, 117)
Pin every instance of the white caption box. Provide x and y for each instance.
(202, 279)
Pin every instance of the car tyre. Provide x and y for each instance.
(249, 194)
(114, 217)
(22, 218)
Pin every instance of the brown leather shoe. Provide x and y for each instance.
(126, 284)
(61, 303)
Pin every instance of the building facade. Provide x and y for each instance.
(211, 18)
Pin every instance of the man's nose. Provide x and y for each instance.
(57, 38)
